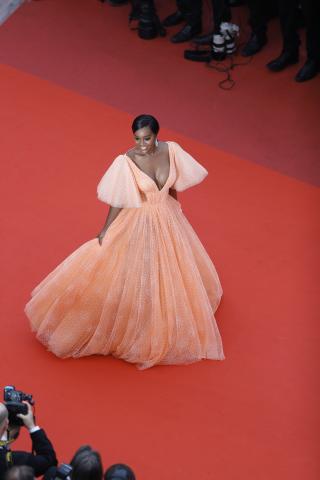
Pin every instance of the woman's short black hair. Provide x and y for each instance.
(146, 121)
(119, 471)
(86, 464)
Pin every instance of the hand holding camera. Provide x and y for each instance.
(28, 418)
(17, 403)
(17, 410)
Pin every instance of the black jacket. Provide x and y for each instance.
(43, 457)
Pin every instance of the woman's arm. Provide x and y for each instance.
(112, 215)
(173, 193)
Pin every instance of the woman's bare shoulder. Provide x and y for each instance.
(131, 153)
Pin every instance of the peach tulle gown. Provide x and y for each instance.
(147, 295)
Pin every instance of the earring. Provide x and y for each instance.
(156, 142)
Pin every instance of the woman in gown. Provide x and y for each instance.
(145, 290)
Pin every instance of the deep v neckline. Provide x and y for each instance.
(148, 176)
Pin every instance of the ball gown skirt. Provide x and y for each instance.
(148, 294)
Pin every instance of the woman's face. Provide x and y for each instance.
(145, 140)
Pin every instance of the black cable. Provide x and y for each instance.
(228, 83)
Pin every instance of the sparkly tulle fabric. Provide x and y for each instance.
(147, 295)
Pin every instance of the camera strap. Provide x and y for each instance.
(9, 458)
(4, 444)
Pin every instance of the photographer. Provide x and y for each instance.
(119, 471)
(20, 472)
(86, 464)
(43, 455)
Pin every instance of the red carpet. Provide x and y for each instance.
(256, 414)
(86, 46)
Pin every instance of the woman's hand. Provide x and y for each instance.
(112, 215)
(100, 236)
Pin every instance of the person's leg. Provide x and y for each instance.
(225, 32)
(192, 13)
(221, 13)
(149, 25)
(288, 13)
(222, 39)
(176, 17)
(257, 16)
(258, 24)
(311, 12)
(191, 10)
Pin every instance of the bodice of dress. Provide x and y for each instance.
(150, 193)
(125, 185)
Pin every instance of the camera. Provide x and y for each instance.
(63, 471)
(13, 401)
(230, 32)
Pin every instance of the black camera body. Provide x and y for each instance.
(13, 401)
(63, 471)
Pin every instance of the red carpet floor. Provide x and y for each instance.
(256, 414)
(87, 47)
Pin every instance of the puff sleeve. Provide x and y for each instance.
(118, 186)
(188, 171)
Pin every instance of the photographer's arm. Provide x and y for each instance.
(112, 215)
(44, 455)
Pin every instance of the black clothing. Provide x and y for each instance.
(260, 11)
(311, 13)
(191, 11)
(288, 13)
(289, 22)
(258, 16)
(44, 455)
(221, 13)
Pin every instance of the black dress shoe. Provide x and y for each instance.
(198, 55)
(254, 45)
(173, 19)
(235, 3)
(203, 39)
(308, 71)
(284, 60)
(204, 55)
(117, 3)
(186, 34)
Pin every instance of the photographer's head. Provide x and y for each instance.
(119, 471)
(4, 422)
(86, 464)
(22, 472)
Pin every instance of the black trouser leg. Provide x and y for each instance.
(258, 16)
(221, 13)
(191, 10)
(288, 12)
(311, 13)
